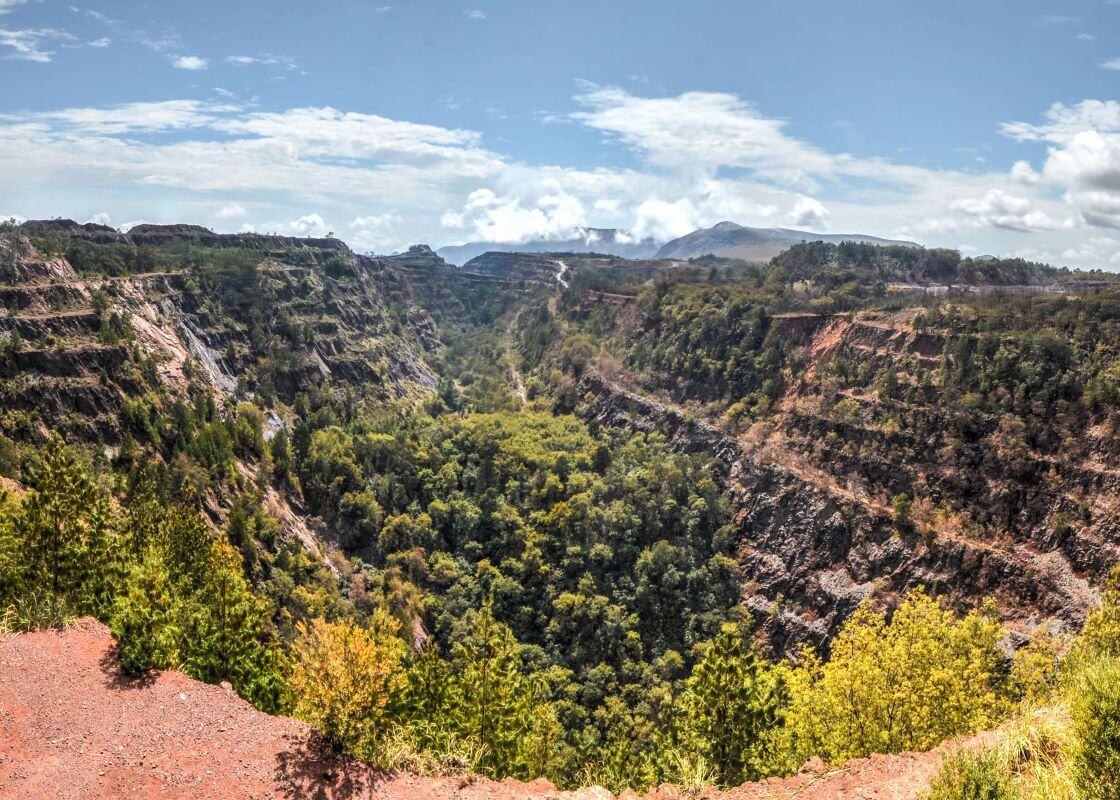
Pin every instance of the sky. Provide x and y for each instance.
(992, 127)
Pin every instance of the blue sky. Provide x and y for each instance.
(989, 126)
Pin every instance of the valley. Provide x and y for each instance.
(544, 491)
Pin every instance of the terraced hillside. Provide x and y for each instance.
(964, 442)
(143, 314)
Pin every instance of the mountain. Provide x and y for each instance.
(731, 240)
(610, 241)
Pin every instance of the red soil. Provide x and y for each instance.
(72, 727)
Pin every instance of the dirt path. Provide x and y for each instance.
(560, 274)
(511, 361)
(72, 727)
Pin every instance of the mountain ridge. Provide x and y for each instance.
(731, 240)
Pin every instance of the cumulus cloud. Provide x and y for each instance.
(1098, 249)
(375, 233)
(307, 225)
(808, 213)
(1083, 157)
(231, 211)
(490, 217)
(999, 209)
(699, 158)
(100, 219)
(191, 63)
(661, 220)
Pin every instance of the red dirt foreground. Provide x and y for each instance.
(73, 727)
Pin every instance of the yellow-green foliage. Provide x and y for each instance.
(980, 775)
(1095, 708)
(1101, 634)
(346, 678)
(889, 686)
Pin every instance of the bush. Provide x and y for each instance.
(906, 684)
(1095, 710)
(980, 775)
(346, 678)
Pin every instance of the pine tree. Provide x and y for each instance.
(63, 527)
(498, 700)
(732, 699)
(145, 617)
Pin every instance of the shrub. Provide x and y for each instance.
(906, 684)
(346, 678)
(1095, 708)
(978, 775)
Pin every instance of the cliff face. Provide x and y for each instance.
(813, 494)
(282, 316)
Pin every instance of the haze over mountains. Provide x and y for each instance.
(726, 239)
(587, 240)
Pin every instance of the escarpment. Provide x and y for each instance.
(814, 484)
(266, 315)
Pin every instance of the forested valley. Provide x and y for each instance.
(688, 522)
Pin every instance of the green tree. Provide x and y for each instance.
(63, 530)
(732, 700)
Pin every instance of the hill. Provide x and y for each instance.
(731, 240)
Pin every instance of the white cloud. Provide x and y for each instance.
(100, 219)
(1112, 63)
(999, 209)
(661, 220)
(490, 217)
(808, 213)
(307, 225)
(101, 43)
(8, 5)
(128, 118)
(1083, 157)
(702, 130)
(264, 60)
(474, 13)
(192, 63)
(376, 232)
(31, 44)
(698, 158)
(1023, 172)
(1098, 249)
(231, 211)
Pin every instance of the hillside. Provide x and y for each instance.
(73, 727)
(730, 240)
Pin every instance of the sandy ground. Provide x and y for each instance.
(72, 727)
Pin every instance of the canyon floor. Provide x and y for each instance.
(73, 727)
